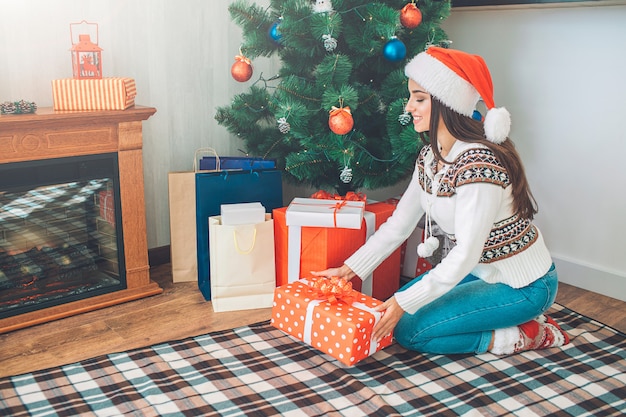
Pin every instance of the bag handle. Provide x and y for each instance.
(244, 252)
(206, 150)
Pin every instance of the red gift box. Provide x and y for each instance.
(394, 202)
(341, 329)
(327, 247)
(422, 266)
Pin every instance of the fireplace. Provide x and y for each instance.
(60, 234)
(72, 215)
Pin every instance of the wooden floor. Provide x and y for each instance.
(182, 312)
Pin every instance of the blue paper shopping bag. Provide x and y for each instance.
(229, 187)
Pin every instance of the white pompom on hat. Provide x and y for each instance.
(459, 80)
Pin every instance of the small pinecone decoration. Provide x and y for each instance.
(17, 107)
(330, 43)
(7, 107)
(283, 125)
(26, 107)
(404, 118)
(346, 175)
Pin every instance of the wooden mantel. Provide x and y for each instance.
(54, 134)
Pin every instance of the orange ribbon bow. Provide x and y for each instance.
(352, 196)
(336, 110)
(333, 289)
(325, 195)
(242, 59)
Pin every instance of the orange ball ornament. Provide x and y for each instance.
(241, 69)
(340, 120)
(410, 16)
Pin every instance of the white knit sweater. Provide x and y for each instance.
(473, 205)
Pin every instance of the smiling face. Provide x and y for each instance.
(419, 105)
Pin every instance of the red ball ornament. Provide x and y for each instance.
(241, 69)
(410, 16)
(340, 120)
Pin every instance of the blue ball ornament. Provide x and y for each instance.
(394, 50)
(477, 116)
(274, 32)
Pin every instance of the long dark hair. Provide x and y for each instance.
(466, 129)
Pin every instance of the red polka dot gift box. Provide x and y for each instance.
(330, 316)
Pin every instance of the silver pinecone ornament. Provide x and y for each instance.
(330, 43)
(346, 175)
(283, 125)
(404, 118)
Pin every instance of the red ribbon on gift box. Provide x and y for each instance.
(332, 289)
(336, 208)
(350, 196)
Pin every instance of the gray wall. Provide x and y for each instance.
(559, 71)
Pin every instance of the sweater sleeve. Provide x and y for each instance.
(391, 234)
(476, 210)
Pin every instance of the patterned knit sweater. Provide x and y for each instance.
(473, 205)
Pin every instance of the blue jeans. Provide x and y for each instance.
(463, 319)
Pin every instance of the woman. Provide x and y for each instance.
(491, 290)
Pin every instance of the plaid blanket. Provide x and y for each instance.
(259, 371)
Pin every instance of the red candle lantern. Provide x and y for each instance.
(86, 55)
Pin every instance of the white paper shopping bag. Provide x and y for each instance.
(243, 272)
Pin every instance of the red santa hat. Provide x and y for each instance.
(459, 80)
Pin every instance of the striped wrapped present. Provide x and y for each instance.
(114, 93)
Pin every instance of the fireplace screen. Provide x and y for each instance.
(60, 232)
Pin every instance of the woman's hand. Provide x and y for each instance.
(393, 313)
(342, 272)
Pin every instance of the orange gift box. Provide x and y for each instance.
(114, 93)
(341, 329)
(327, 247)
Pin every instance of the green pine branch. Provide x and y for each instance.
(331, 60)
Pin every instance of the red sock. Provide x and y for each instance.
(540, 333)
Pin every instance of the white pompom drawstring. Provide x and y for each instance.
(428, 247)
(431, 243)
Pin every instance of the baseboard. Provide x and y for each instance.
(159, 256)
(591, 278)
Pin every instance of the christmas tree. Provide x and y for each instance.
(333, 117)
